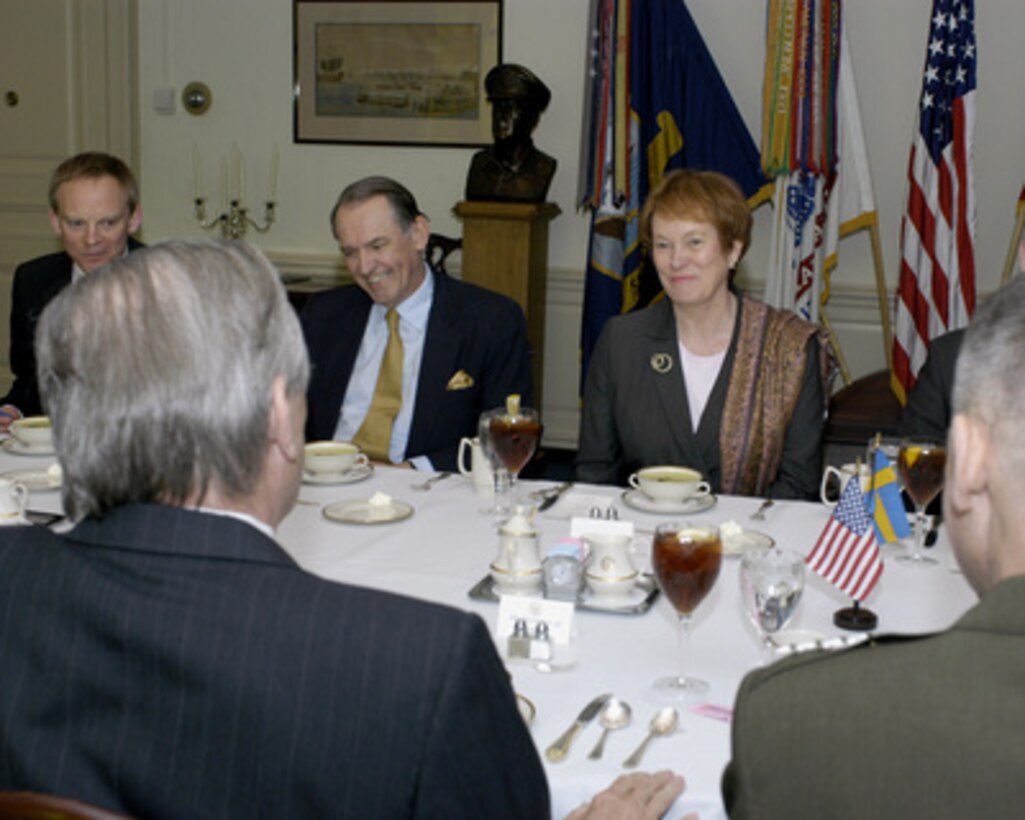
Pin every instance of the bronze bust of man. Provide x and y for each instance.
(512, 169)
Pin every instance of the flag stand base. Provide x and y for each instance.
(855, 618)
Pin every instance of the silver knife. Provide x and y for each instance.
(553, 495)
(560, 748)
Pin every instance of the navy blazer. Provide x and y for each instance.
(928, 410)
(169, 663)
(635, 416)
(36, 283)
(471, 329)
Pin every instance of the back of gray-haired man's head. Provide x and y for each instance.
(157, 371)
(989, 381)
(402, 202)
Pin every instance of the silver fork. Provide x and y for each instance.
(759, 514)
(426, 485)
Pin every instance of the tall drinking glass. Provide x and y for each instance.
(686, 559)
(771, 583)
(920, 465)
(508, 437)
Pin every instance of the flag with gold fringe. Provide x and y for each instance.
(936, 288)
(814, 146)
(657, 103)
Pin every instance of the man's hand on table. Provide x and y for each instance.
(639, 796)
(8, 413)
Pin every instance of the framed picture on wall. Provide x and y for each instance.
(403, 72)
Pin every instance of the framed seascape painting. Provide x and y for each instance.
(402, 72)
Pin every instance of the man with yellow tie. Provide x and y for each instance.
(405, 360)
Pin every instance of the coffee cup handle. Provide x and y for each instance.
(464, 445)
(703, 488)
(829, 471)
(633, 482)
(361, 460)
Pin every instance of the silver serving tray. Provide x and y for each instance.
(484, 590)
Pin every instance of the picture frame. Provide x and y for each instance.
(394, 72)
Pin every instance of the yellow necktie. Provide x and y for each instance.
(374, 435)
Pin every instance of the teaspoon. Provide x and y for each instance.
(663, 723)
(614, 715)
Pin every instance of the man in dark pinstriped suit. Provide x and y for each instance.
(166, 658)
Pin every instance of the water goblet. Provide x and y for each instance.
(509, 437)
(920, 464)
(771, 583)
(686, 559)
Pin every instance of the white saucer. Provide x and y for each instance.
(747, 540)
(361, 512)
(361, 472)
(616, 603)
(639, 501)
(34, 480)
(17, 448)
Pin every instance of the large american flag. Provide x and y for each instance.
(847, 553)
(936, 292)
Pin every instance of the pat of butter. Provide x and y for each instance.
(380, 500)
(731, 535)
(730, 529)
(55, 471)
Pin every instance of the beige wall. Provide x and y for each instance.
(242, 50)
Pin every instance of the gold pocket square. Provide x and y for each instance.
(461, 380)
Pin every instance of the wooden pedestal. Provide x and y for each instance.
(505, 249)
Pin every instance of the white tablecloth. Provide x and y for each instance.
(445, 547)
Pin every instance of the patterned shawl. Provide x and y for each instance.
(768, 372)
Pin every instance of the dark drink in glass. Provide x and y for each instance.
(921, 471)
(686, 563)
(920, 464)
(515, 440)
(686, 560)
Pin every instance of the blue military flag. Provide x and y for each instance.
(658, 103)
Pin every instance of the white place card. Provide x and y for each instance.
(557, 614)
(582, 527)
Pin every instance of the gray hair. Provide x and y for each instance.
(988, 381)
(402, 202)
(157, 372)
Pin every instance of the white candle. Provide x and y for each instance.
(273, 195)
(224, 184)
(241, 178)
(197, 172)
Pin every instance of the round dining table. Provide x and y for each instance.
(441, 548)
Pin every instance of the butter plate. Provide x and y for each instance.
(363, 512)
(745, 540)
(35, 480)
(18, 448)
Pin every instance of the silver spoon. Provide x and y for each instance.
(426, 485)
(759, 514)
(663, 723)
(615, 714)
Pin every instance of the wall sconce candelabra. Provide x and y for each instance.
(235, 221)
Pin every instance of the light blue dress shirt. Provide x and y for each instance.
(414, 313)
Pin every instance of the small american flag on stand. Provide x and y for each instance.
(847, 553)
